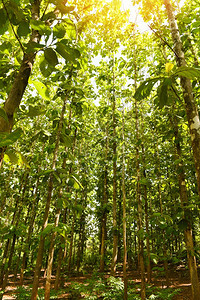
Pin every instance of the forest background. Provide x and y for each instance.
(99, 145)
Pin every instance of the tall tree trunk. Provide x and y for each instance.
(124, 214)
(146, 219)
(81, 236)
(139, 202)
(30, 230)
(47, 207)
(15, 221)
(187, 215)
(165, 261)
(115, 231)
(190, 104)
(61, 251)
(50, 257)
(104, 204)
(52, 244)
(72, 237)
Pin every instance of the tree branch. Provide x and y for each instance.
(21, 46)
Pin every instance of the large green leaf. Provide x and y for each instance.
(15, 157)
(145, 88)
(70, 29)
(23, 29)
(35, 111)
(59, 31)
(77, 183)
(11, 138)
(41, 88)
(11, 156)
(33, 46)
(3, 17)
(66, 140)
(41, 27)
(163, 92)
(3, 21)
(189, 72)
(45, 68)
(67, 52)
(51, 56)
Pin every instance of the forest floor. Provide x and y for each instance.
(179, 279)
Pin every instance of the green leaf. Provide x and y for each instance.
(23, 29)
(46, 172)
(9, 139)
(22, 160)
(70, 29)
(33, 46)
(3, 17)
(11, 156)
(163, 92)
(66, 140)
(15, 157)
(59, 31)
(57, 177)
(41, 27)
(48, 229)
(78, 182)
(189, 72)
(67, 52)
(144, 90)
(51, 56)
(41, 88)
(45, 68)
(50, 16)
(3, 114)
(35, 111)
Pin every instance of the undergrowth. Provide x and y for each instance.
(113, 289)
(98, 287)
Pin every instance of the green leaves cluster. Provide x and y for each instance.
(166, 86)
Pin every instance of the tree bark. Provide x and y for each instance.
(47, 207)
(187, 215)
(104, 204)
(140, 222)
(190, 104)
(124, 214)
(146, 219)
(50, 258)
(115, 231)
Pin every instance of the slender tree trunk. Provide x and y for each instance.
(47, 207)
(72, 237)
(165, 261)
(104, 204)
(62, 252)
(140, 222)
(81, 240)
(51, 249)
(115, 231)
(190, 104)
(15, 220)
(58, 270)
(50, 258)
(124, 214)
(146, 219)
(187, 215)
(30, 230)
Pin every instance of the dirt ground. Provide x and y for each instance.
(178, 277)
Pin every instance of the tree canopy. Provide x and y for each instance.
(99, 144)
